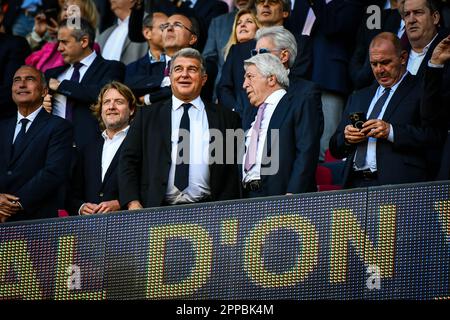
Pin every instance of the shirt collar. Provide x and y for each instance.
(395, 86)
(197, 103)
(162, 57)
(30, 117)
(425, 49)
(120, 22)
(275, 97)
(87, 61)
(122, 132)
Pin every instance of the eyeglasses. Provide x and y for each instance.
(175, 25)
(254, 52)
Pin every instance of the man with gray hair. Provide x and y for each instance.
(166, 158)
(281, 147)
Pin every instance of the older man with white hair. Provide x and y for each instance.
(282, 145)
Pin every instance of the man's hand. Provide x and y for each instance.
(53, 84)
(3, 218)
(9, 205)
(108, 206)
(376, 128)
(353, 135)
(48, 103)
(88, 208)
(134, 205)
(441, 54)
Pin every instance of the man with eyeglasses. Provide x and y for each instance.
(168, 157)
(268, 13)
(282, 145)
(152, 84)
(202, 10)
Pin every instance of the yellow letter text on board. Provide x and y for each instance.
(305, 261)
(203, 251)
(346, 230)
(14, 255)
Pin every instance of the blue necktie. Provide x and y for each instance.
(182, 167)
(20, 136)
(70, 104)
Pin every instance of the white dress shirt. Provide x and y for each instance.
(199, 187)
(371, 155)
(110, 147)
(30, 117)
(415, 58)
(272, 101)
(114, 44)
(59, 105)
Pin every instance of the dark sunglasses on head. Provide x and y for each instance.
(254, 52)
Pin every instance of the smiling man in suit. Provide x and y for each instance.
(76, 85)
(282, 145)
(165, 158)
(35, 148)
(95, 188)
(390, 146)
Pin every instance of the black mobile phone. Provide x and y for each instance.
(358, 119)
(51, 14)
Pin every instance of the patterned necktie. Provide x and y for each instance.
(182, 167)
(70, 104)
(167, 69)
(20, 136)
(250, 158)
(361, 150)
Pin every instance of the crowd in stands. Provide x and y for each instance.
(109, 105)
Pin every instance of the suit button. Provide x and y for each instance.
(9, 173)
(101, 195)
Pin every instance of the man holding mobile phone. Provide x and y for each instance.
(389, 147)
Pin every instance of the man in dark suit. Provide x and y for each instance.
(390, 146)
(76, 85)
(202, 10)
(168, 157)
(282, 145)
(95, 187)
(151, 82)
(35, 148)
(436, 100)
(13, 51)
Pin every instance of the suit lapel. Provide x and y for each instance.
(91, 70)
(35, 128)
(166, 125)
(402, 90)
(277, 119)
(97, 158)
(8, 132)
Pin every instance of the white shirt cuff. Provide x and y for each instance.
(391, 134)
(79, 210)
(432, 65)
(147, 99)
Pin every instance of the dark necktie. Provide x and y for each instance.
(71, 102)
(182, 166)
(404, 41)
(167, 69)
(20, 136)
(361, 150)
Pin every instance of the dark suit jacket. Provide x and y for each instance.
(203, 11)
(86, 93)
(13, 51)
(332, 43)
(299, 120)
(87, 184)
(39, 168)
(435, 109)
(404, 160)
(145, 159)
(144, 77)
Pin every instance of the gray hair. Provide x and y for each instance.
(189, 53)
(282, 39)
(269, 65)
